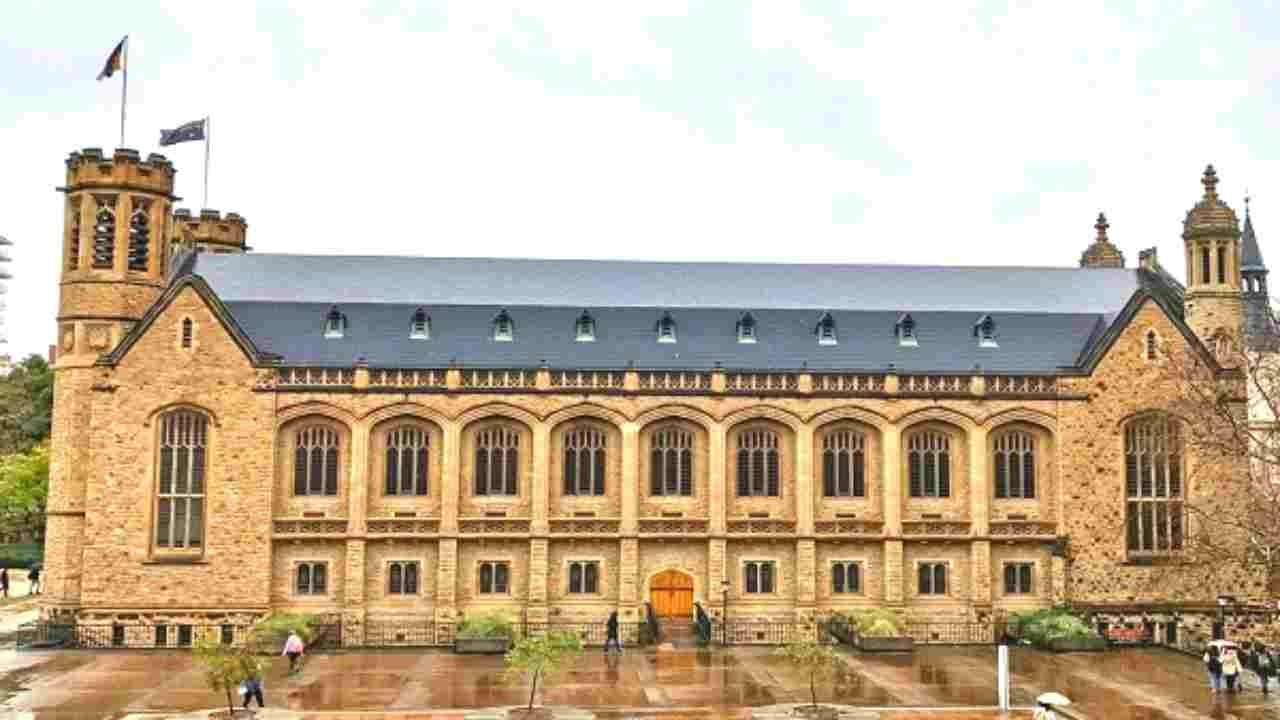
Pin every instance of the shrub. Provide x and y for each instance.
(486, 625)
(878, 622)
(275, 628)
(1042, 627)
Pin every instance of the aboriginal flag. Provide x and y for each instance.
(115, 61)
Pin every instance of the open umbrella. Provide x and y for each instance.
(1053, 698)
(1223, 644)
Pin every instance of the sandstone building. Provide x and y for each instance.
(382, 437)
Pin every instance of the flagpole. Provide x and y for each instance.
(208, 130)
(124, 87)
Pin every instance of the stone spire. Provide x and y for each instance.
(1260, 327)
(1250, 254)
(1102, 254)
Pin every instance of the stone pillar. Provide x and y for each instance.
(804, 481)
(1058, 579)
(806, 578)
(717, 572)
(716, 472)
(450, 477)
(446, 579)
(538, 568)
(979, 482)
(353, 611)
(353, 601)
(630, 478)
(891, 461)
(70, 462)
(629, 580)
(539, 487)
(894, 573)
(980, 572)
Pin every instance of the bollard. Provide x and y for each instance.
(1002, 676)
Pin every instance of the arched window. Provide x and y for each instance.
(497, 461)
(584, 330)
(407, 467)
(184, 439)
(504, 330)
(1153, 485)
(1152, 345)
(73, 248)
(420, 325)
(1015, 465)
(929, 464)
(666, 329)
(139, 235)
(187, 332)
(758, 463)
(746, 328)
(1205, 277)
(584, 461)
(844, 464)
(315, 461)
(1222, 265)
(104, 231)
(671, 462)
(985, 331)
(335, 323)
(826, 330)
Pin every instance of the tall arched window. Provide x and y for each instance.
(584, 461)
(758, 463)
(184, 439)
(406, 462)
(671, 462)
(315, 461)
(844, 464)
(1205, 277)
(104, 231)
(1222, 265)
(1015, 465)
(1153, 485)
(497, 461)
(139, 235)
(929, 464)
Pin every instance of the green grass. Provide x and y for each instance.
(21, 555)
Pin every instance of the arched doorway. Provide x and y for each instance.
(671, 593)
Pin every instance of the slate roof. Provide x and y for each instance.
(1046, 318)
(1250, 253)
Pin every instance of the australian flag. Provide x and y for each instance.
(193, 130)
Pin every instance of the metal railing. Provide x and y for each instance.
(425, 632)
(764, 632)
(326, 634)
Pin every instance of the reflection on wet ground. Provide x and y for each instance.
(1135, 684)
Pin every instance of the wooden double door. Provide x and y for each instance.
(671, 594)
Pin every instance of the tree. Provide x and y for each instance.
(541, 657)
(26, 405)
(24, 491)
(226, 667)
(818, 662)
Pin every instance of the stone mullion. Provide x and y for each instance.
(630, 478)
(450, 485)
(124, 208)
(539, 487)
(804, 480)
(716, 477)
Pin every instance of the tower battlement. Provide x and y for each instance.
(211, 231)
(89, 169)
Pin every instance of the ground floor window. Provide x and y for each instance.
(1017, 578)
(931, 578)
(760, 576)
(162, 635)
(495, 578)
(312, 578)
(402, 578)
(584, 577)
(846, 577)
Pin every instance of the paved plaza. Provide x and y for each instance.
(1140, 684)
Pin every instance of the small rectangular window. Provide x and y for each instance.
(228, 634)
(759, 577)
(846, 578)
(117, 635)
(311, 578)
(584, 577)
(932, 579)
(1017, 578)
(402, 578)
(162, 635)
(184, 636)
(495, 578)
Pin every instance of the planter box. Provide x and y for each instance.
(886, 644)
(481, 646)
(1081, 645)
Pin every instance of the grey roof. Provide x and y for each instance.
(1045, 317)
(1251, 254)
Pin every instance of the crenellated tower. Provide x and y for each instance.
(115, 248)
(210, 232)
(1213, 304)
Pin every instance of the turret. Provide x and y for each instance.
(210, 232)
(1213, 302)
(1102, 254)
(114, 247)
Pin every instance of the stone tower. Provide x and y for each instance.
(114, 259)
(211, 232)
(1102, 254)
(1259, 322)
(1213, 305)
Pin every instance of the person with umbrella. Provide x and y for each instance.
(1047, 702)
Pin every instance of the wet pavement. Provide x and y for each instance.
(1140, 684)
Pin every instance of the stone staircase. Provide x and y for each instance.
(678, 632)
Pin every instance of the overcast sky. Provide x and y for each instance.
(933, 132)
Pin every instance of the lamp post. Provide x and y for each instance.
(724, 591)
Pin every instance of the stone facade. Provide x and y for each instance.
(103, 559)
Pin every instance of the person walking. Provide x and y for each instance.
(4, 583)
(293, 649)
(1231, 668)
(611, 634)
(1213, 665)
(253, 688)
(33, 576)
(1264, 665)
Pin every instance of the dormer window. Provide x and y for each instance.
(667, 329)
(503, 329)
(985, 331)
(584, 330)
(335, 324)
(420, 326)
(906, 329)
(826, 330)
(746, 328)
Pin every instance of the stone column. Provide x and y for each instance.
(894, 572)
(446, 579)
(630, 478)
(979, 482)
(980, 571)
(538, 568)
(804, 481)
(353, 607)
(539, 487)
(891, 462)
(717, 572)
(718, 484)
(806, 578)
(629, 579)
(450, 477)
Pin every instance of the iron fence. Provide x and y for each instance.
(325, 634)
(954, 633)
(425, 632)
(764, 632)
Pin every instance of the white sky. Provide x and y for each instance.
(936, 132)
